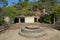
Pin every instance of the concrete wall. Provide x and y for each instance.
(6, 19)
(29, 19)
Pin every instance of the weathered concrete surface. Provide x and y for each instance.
(52, 34)
(18, 25)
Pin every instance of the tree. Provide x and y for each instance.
(56, 11)
(53, 2)
(3, 3)
(24, 7)
(47, 4)
(11, 12)
(42, 0)
(20, 4)
(20, 1)
(26, 0)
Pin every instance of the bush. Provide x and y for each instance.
(47, 19)
(1, 21)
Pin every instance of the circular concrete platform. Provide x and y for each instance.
(32, 31)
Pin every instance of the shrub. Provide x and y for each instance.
(47, 19)
(1, 21)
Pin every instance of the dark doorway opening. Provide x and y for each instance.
(16, 20)
(22, 19)
(35, 19)
(39, 20)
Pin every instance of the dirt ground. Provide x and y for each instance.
(10, 34)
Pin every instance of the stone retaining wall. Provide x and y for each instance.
(4, 27)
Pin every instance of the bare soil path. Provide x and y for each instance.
(52, 34)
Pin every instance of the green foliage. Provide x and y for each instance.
(53, 2)
(56, 11)
(26, 0)
(29, 14)
(1, 21)
(26, 8)
(11, 12)
(42, 0)
(47, 19)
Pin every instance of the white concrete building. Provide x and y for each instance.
(29, 19)
(6, 19)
